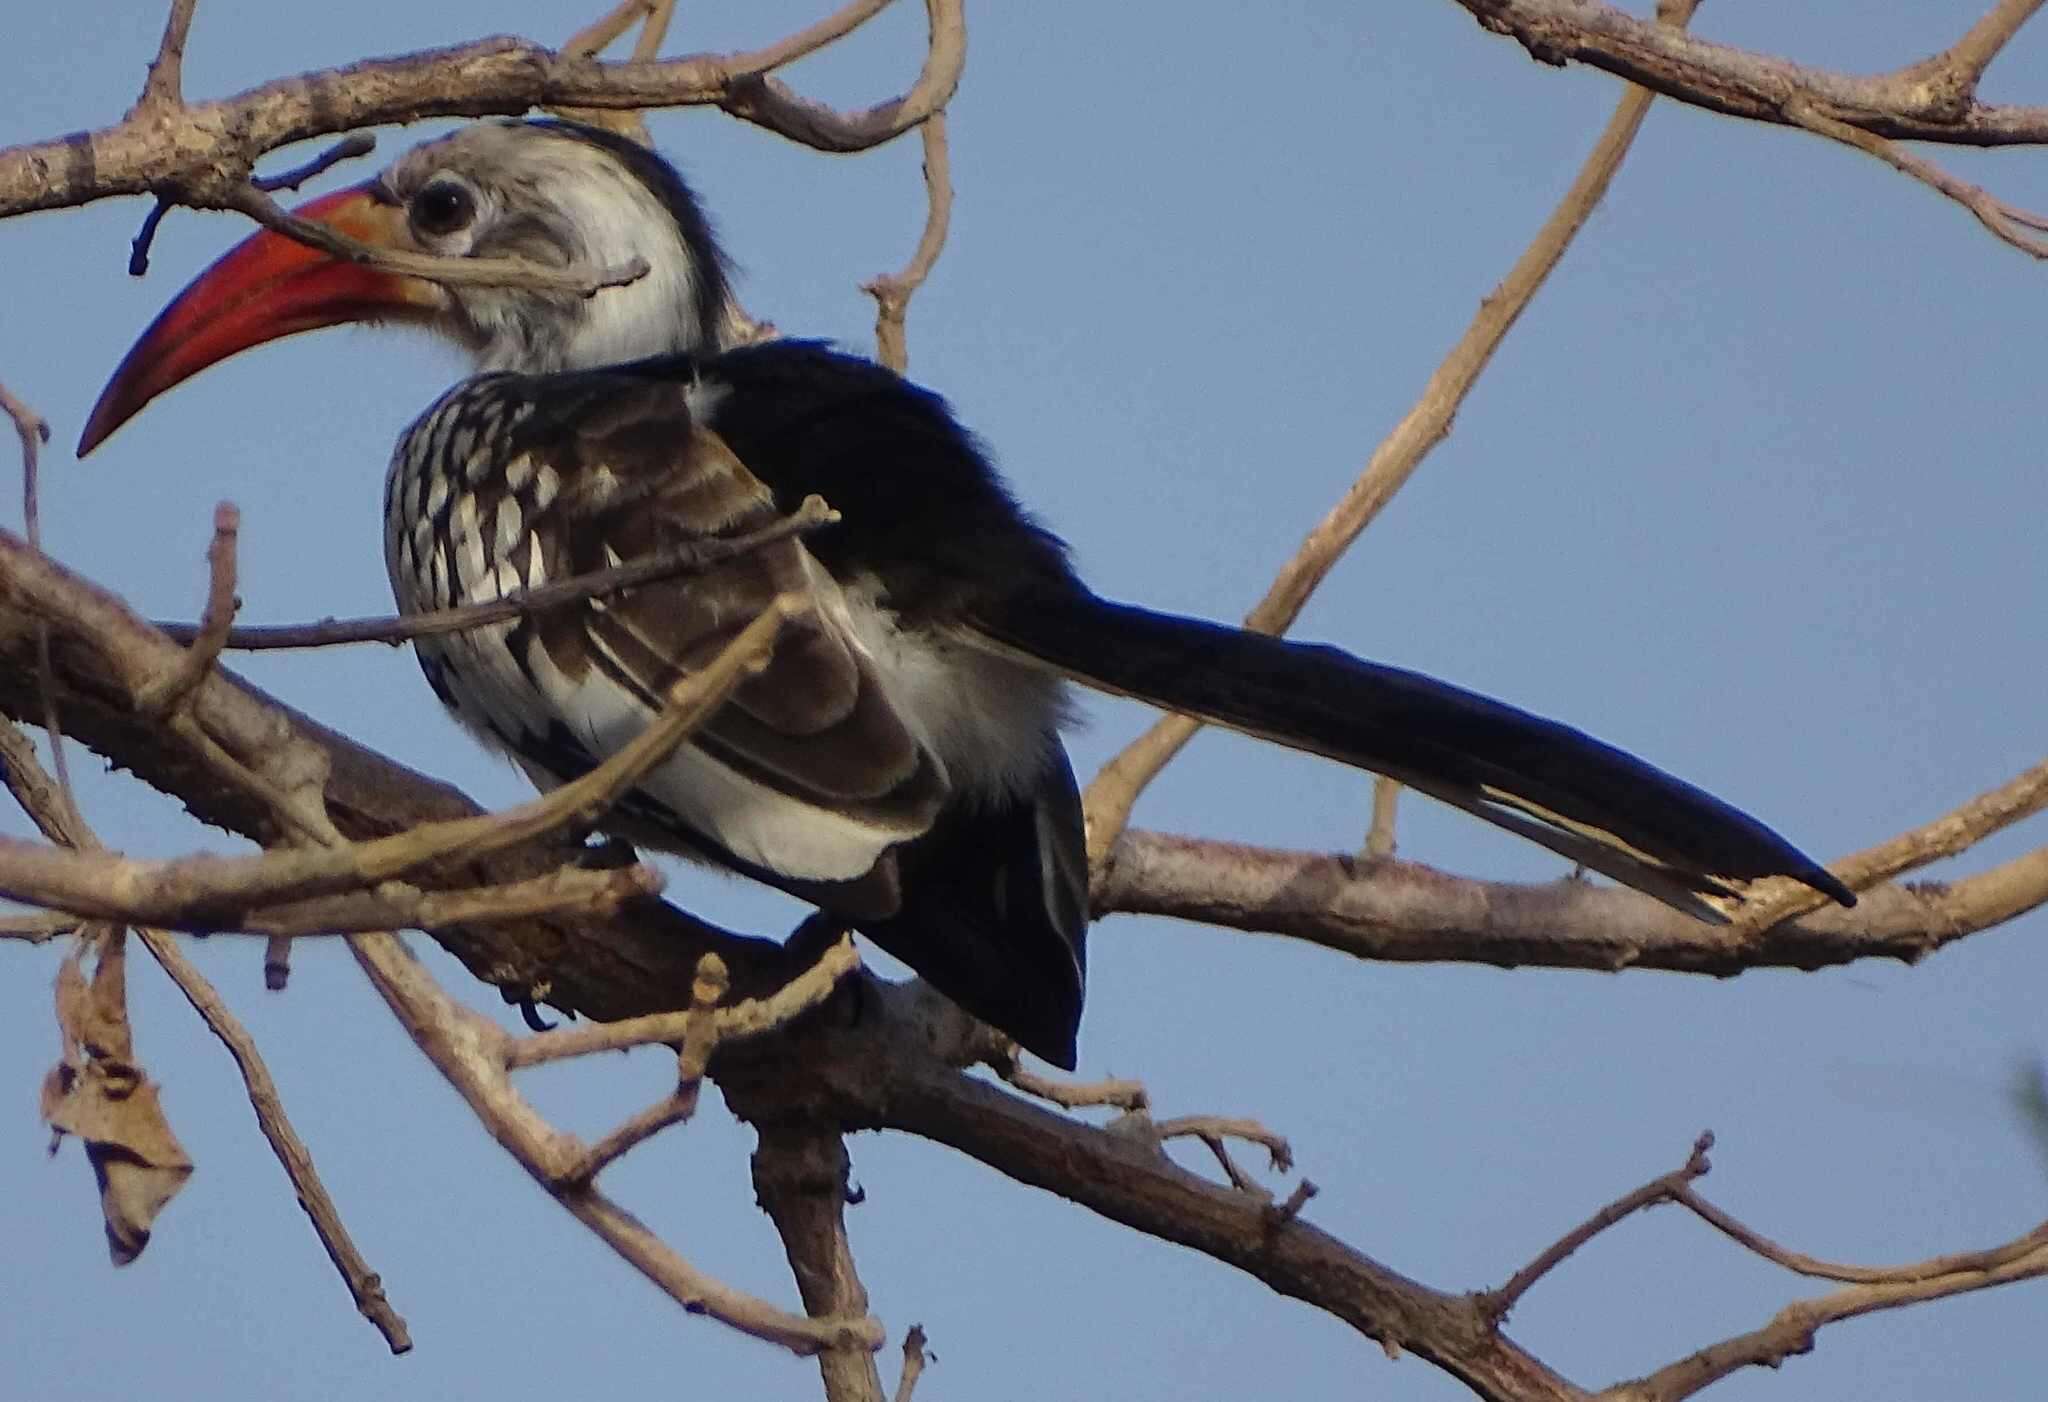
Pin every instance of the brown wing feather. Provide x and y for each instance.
(638, 476)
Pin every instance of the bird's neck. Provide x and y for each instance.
(659, 314)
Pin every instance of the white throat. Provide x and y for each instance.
(608, 219)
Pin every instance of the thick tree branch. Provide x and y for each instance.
(1410, 913)
(800, 1180)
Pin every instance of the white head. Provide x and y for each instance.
(556, 194)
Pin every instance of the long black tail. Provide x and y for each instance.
(1548, 782)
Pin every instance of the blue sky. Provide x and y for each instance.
(1751, 491)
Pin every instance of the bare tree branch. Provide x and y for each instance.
(1114, 791)
(205, 152)
(1410, 913)
(470, 1052)
(1933, 100)
(734, 1022)
(800, 1181)
(364, 1284)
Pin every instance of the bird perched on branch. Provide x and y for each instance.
(898, 762)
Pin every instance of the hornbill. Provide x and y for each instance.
(898, 762)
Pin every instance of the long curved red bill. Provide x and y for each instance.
(266, 287)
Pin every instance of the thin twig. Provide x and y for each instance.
(690, 558)
(1665, 1187)
(654, 32)
(34, 431)
(700, 1040)
(145, 237)
(354, 146)
(350, 147)
(1287, 1209)
(597, 36)
(1112, 1093)
(1912, 1273)
(1220, 1127)
(783, 52)
(197, 902)
(892, 291)
(1792, 1330)
(215, 619)
(197, 152)
(2006, 223)
(363, 1283)
(469, 1051)
(172, 892)
(756, 95)
(735, 1023)
(449, 272)
(41, 799)
(1114, 792)
(38, 927)
(1931, 100)
(1961, 828)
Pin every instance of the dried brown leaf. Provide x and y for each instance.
(99, 1094)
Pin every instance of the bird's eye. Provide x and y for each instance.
(442, 208)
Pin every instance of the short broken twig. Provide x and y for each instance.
(913, 1363)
